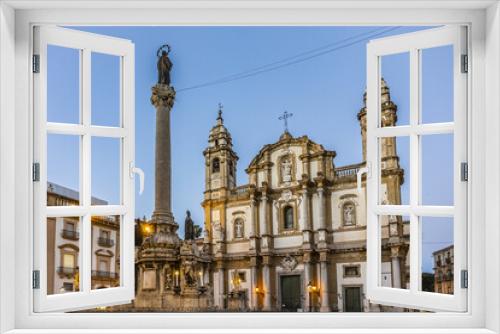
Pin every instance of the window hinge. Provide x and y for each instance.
(36, 172)
(36, 279)
(464, 171)
(36, 63)
(465, 64)
(464, 279)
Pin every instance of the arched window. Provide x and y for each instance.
(230, 166)
(288, 217)
(349, 214)
(216, 165)
(238, 228)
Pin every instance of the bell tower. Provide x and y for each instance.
(388, 117)
(220, 159)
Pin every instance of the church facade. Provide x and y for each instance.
(294, 237)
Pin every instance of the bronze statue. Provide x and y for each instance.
(188, 227)
(164, 65)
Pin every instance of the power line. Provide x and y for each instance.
(289, 60)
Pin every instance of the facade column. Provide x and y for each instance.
(321, 211)
(264, 226)
(322, 218)
(396, 267)
(307, 279)
(325, 293)
(222, 294)
(266, 272)
(251, 226)
(254, 304)
(306, 221)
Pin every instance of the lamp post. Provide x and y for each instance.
(311, 289)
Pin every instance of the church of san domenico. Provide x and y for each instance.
(292, 239)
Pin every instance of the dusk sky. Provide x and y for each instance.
(324, 93)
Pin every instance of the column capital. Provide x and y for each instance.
(323, 256)
(162, 96)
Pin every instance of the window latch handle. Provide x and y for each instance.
(136, 170)
(359, 174)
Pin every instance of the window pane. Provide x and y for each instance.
(106, 88)
(395, 251)
(437, 254)
(395, 69)
(63, 250)
(395, 170)
(106, 171)
(105, 251)
(63, 170)
(63, 84)
(437, 169)
(437, 84)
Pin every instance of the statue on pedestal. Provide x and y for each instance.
(188, 227)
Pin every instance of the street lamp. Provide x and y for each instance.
(311, 289)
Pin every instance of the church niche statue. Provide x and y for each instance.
(238, 228)
(164, 65)
(349, 212)
(286, 170)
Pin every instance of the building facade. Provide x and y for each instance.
(294, 237)
(443, 270)
(63, 246)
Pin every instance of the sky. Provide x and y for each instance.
(324, 93)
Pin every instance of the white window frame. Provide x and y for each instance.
(16, 20)
(86, 43)
(413, 43)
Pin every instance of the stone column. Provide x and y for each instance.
(265, 222)
(162, 99)
(306, 221)
(325, 293)
(253, 285)
(321, 211)
(251, 226)
(266, 272)
(396, 271)
(307, 279)
(221, 288)
(304, 210)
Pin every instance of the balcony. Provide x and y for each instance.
(104, 274)
(242, 192)
(105, 242)
(348, 171)
(67, 271)
(70, 234)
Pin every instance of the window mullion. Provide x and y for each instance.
(86, 177)
(415, 170)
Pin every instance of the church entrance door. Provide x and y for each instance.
(352, 299)
(290, 293)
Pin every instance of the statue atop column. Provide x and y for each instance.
(164, 65)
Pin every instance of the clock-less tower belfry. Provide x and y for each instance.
(172, 274)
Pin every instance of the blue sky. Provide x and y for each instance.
(324, 94)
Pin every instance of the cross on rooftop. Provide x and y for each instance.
(286, 115)
(220, 111)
